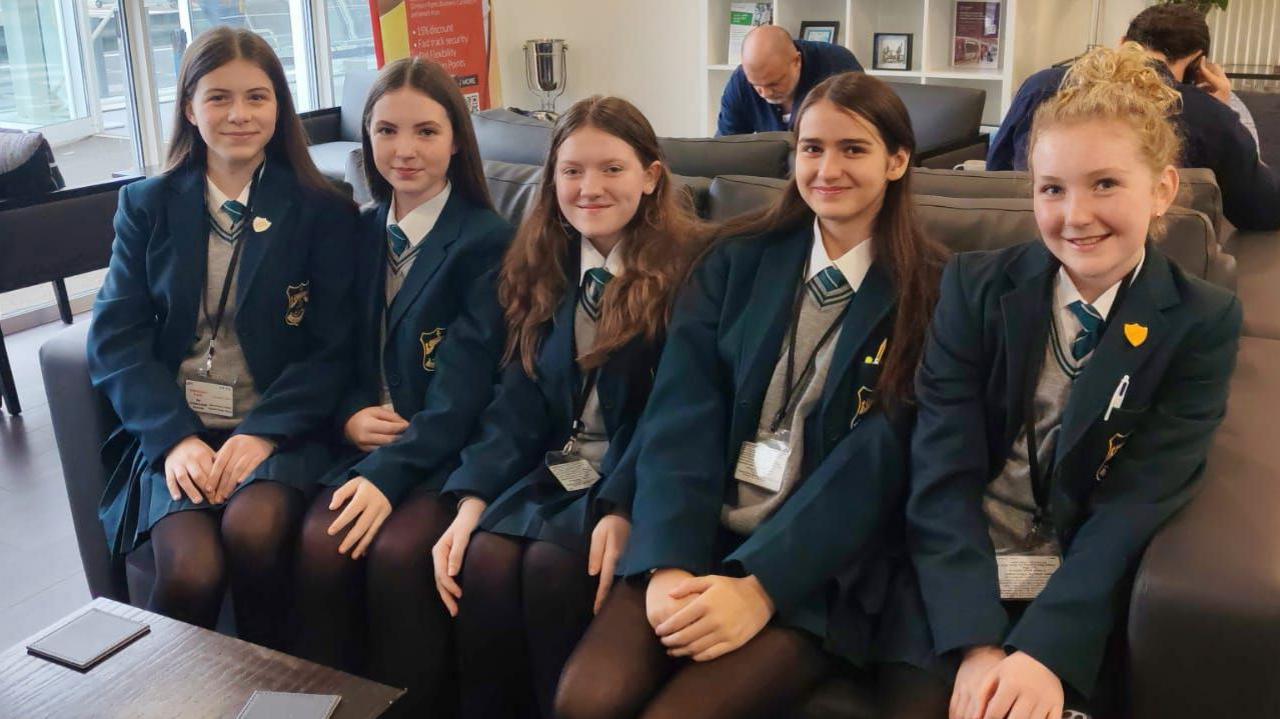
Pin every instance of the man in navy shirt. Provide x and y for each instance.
(1177, 38)
(775, 75)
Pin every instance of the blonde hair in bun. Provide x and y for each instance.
(1117, 84)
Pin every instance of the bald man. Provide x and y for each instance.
(775, 75)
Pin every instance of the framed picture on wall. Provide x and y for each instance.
(820, 30)
(892, 51)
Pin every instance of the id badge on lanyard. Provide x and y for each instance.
(570, 469)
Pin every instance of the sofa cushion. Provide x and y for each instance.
(355, 88)
(942, 116)
(732, 195)
(508, 136)
(514, 187)
(331, 157)
(764, 154)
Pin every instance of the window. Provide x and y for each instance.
(350, 40)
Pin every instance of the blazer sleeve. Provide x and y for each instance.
(681, 467)
(463, 386)
(122, 340)
(303, 397)
(837, 515)
(734, 116)
(1067, 626)
(947, 530)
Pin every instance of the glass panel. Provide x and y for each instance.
(350, 40)
(36, 86)
(272, 19)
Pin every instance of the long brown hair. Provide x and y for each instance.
(211, 50)
(661, 240)
(466, 169)
(914, 262)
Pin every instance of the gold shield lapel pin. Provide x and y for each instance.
(261, 224)
(1135, 333)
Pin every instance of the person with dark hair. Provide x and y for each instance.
(221, 337)
(770, 466)
(775, 75)
(587, 288)
(427, 346)
(1176, 39)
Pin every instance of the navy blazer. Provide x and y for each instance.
(1213, 134)
(743, 111)
(1115, 480)
(530, 416)
(724, 342)
(293, 286)
(445, 321)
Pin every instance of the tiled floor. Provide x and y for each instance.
(41, 579)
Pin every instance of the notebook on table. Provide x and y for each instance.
(88, 639)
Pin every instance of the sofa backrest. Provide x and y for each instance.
(355, 88)
(983, 223)
(764, 154)
(507, 136)
(1197, 190)
(941, 115)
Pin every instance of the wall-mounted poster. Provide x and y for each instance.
(454, 33)
(742, 17)
(976, 40)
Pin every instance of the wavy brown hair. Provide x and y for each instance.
(661, 240)
(914, 262)
(466, 169)
(211, 50)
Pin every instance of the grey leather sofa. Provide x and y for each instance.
(1196, 595)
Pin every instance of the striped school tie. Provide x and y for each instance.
(1091, 320)
(829, 287)
(592, 293)
(234, 210)
(397, 240)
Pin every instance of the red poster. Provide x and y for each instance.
(450, 32)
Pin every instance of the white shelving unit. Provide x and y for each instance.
(1061, 35)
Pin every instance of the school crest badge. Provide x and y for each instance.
(1114, 445)
(866, 400)
(430, 342)
(296, 303)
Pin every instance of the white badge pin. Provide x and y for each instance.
(261, 224)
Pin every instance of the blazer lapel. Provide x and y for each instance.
(773, 295)
(271, 202)
(434, 248)
(191, 246)
(1115, 357)
(558, 363)
(1026, 327)
(869, 305)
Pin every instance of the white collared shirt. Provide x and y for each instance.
(1065, 292)
(590, 258)
(214, 198)
(422, 219)
(853, 264)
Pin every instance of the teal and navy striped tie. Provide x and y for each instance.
(234, 210)
(1091, 320)
(397, 239)
(829, 287)
(593, 283)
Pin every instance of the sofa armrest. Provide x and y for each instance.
(322, 125)
(81, 418)
(945, 158)
(1204, 621)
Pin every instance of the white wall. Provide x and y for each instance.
(643, 50)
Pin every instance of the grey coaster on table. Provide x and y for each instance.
(289, 705)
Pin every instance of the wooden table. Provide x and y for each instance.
(177, 671)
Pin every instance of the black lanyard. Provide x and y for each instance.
(1041, 482)
(791, 383)
(215, 321)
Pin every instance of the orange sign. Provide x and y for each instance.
(449, 32)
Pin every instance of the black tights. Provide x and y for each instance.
(249, 543)
(524, 605)
(388, 600)
(620, 669)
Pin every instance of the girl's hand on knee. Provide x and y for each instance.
(187, 470)
(446, 556)
(374, 427)
(366, 506)
(1021, 687)
(967, 699)
(658, 603)
(608, 542)
(235, 461)
(726, 613)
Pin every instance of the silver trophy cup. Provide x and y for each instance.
(546, 72)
